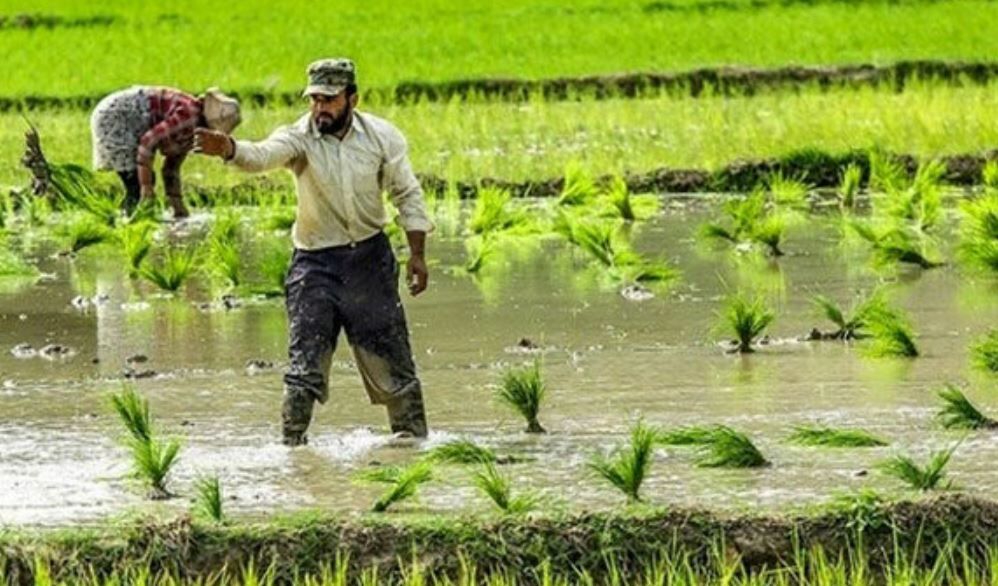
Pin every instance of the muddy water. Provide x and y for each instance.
(607, 360)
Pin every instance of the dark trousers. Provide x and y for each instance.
(132, 190)
(354, 289)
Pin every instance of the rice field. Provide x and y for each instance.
(783, 374)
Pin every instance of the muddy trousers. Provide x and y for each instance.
(351, 288)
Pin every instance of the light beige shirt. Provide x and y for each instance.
(340, 182)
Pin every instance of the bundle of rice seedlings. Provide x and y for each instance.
(227, 226)
(749, 220)
(12, 265)
(728, 448)
(208, 503)
(864, 508)
(984, 352)
(787, 191)
(403, 483)
(223, 259)
(849, 185)
(496, 486)
(523, 390)
(892, 334)
(600, 241)
(275, 262)
(979, 232)
(462, 451)
(627, 468)
(281, 218)
(894, 244)
(886, 173)
(989, 175)
(917, 201)
(175, 266)
(687, 436)
(834, 438)
(82, 232)
(919, 477)
(152, 458)
(746, 319)
(135, 240)
(853, 326)
(769, 232)
(959, 413)
(626, 206)
(578, 188)
(480, 250)
(493, 213)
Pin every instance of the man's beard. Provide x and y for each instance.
(329, 125)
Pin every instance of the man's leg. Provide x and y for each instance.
(313, 327)
(132, 190)
(379, 336)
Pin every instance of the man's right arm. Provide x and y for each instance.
(277, 150)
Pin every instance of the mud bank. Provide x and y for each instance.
(922, 530)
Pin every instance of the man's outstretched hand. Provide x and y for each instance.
(213, 143)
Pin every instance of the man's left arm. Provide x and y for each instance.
(407, 196)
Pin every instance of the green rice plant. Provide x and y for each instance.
(894, 244)
(850, 181)
(281, 218)
(728, 448)
(619, 196)
(979, 232)
(834, 438)
(892, 334)
(787, 191)
(175, 266)
(687, 436)
(492, 212)
(480, 250)
(209, 501)
(627, 468)
(853, 326)
(275, 262)
(82, 232)
(152, 458)
(984, 352)
(917, 201)
(578, 187)
(959, 413)
(78, 189)
(227, 226)
(223, 259)
(886, 173)
(403, 483)
(523, 390)
(989, 175)
(864, 508)
(746, 318)
(601, 242)
(13, 265)
(496, 486)
(135, 240)
(749, 220)
(919, 477)
(770, 231)
(462, 451)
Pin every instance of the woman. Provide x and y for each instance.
(130, 125)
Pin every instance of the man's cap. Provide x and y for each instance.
(330, 76)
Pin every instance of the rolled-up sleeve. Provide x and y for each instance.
(402, 186)
(277, 150)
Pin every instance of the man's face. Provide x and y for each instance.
(331, 114)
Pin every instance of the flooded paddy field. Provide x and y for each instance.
(212, 374)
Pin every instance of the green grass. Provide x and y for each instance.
(919, 477)
(209, 500)
(152, 457)
(834, 438)
(497, 487)
(175, 266)
(628, 467)
(984, 352)
(524, 391)
(746, 319)
(575, 42)
(959, 413)
(403, 483)
(617, 136)
(462, 451)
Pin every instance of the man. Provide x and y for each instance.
(343, 274)
(130, 125)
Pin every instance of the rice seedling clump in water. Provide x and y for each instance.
(728, 448)
(496, 487)
(834, 438)
(628, 467)
(403, 483)
(918, 477)
(462, 451)
(209, 499)
(176, 265)
(523, 390)
(152, 458)
(984, 353)
(959, 413)
(746, 319)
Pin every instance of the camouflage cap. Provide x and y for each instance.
(330, 76)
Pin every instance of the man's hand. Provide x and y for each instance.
(416, 274)
(213, 143)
